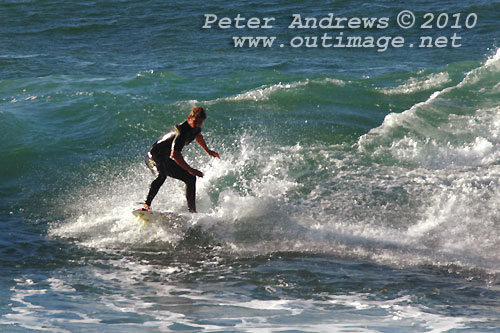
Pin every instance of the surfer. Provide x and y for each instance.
(164, 158)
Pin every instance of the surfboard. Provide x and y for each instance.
(169, 218)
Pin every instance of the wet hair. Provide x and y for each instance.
(198, 113)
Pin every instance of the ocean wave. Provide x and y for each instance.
(263, 93)
(263, 198)
(453, 121)
(413, 85)
(294, 191)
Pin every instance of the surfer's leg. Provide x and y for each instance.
(177, 172)
(157, 183)
(191, 193)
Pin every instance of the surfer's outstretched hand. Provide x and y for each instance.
(196, 173)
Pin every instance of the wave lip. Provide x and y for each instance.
(264, 92)
(455, 123)
(416, 84)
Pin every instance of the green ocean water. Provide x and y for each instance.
(357, 190)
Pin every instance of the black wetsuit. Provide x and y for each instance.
(158, 159)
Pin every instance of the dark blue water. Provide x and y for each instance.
(357, 188)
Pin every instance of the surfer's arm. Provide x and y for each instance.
(179, 159)
(201, 141)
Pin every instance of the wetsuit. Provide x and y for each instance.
(158, 159)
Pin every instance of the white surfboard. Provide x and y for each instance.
(169, 218)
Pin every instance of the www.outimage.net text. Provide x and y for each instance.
(334, 35)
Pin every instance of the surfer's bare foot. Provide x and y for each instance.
(146, 207)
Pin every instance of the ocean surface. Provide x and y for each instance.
(358, 188)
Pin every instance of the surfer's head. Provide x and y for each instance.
(196, 117)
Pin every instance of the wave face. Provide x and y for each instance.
(291, 180)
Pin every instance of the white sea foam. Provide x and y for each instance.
(262, 197)
(31, 312)
(459, 135)
(453, 159)
(413, 85)
(252, 202)
(264, 92)
(102, 218)
(144, 304)
(402, 310)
